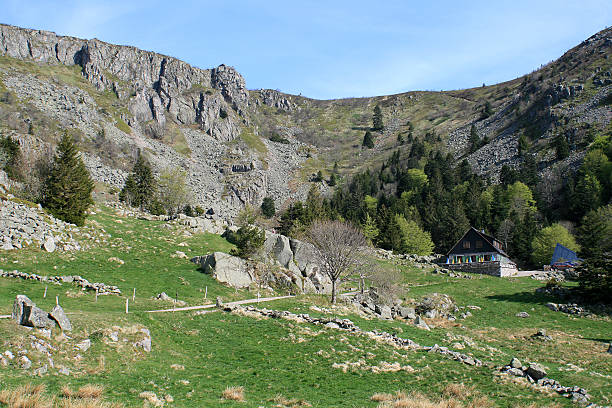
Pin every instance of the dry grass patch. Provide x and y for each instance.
(26, 396)
(281, 402)
(34, 396)
(235, 393)
(455, 393)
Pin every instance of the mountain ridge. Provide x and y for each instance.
(207, 122)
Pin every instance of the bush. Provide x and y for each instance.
(249, 239)
(267, 207)
(278, 139)
(413, 239)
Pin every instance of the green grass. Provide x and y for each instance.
(270, 357)
(122, 126)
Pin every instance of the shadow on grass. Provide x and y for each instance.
(522, 297)
(606, 341)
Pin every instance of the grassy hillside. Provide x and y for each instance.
(508, 109)
(195, 357)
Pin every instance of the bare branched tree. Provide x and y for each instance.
(338, 248)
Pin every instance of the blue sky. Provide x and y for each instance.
(335, 48)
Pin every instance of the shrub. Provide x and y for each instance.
(267, 207)
(278, 139)
(249, 239)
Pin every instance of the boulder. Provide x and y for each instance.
(60, 317)
(535, 371)
(281, 251)
(304, 254)
(406, 312)
(517, 372)
(384, 311)
(227, 269)
(49, 244)
(420, 323)
(515, 363)
(26, 313)
(19, 308)
(523, 315)
(84, 345)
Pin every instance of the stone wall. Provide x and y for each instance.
(493, 268)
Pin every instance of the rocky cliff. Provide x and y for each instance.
(122, 99)
(118, 99)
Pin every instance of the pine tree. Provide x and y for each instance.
(523, 144)
(140, 186)
(561, 147)
(370, 231)
(69, 185)
(368, 141)
(377, 119)
(332, 180)
(267, 207)
(474, 140)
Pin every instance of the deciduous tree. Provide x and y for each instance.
(338, 248)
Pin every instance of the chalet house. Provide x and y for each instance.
(480, 253)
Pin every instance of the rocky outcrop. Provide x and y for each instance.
(226, 269)
(156, 84)
(295, 261)
(275, 99)
(22, 225)
(299, 258)
(26, 313)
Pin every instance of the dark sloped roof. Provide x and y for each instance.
(488, 238)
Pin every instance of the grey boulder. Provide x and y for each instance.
(227, 269)
(26, 313)
(60, 317)
(535, 371)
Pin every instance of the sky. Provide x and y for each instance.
(335, 48)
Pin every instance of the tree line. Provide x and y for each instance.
(425, 202)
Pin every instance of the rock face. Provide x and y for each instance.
(159, 98)
(227, 269)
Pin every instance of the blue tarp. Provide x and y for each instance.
(564, 255)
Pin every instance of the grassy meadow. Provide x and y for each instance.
(197, 357)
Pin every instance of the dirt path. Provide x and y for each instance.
(238, 302)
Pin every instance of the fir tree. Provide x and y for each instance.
(267, 207)
(140, 186)
(332, 180)
(561, 147)
(474, 140)
(368, 141)
(69, 185)
(523, 144)
(370, 230)
(377, 119)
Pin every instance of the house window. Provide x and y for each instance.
(479, 244)
(466, 244)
